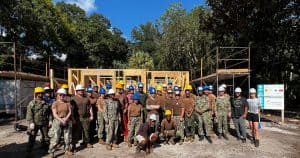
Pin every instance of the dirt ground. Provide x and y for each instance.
(276, 141)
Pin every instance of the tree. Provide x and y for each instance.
(140, 60)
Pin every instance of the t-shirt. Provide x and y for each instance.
(166, 125)
(253, 105)
(81, 105)
(62, 108)
(176, 107)
(188, 104)
(146, 130)
(238, 107)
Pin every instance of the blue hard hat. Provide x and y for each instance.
(130, 88)
(211, 87)
(152, 90)
(200, 88)
(102, 91)
(136, 96)
(140, 85)
(108, 86)
(206, 87)
(90, 90)
(176, 88)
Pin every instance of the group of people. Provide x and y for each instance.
(165, 114)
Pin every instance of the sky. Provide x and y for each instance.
(126, 14)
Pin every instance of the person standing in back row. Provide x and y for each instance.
(253, 115)
(239, 109)
(100, 115)
(222, 113)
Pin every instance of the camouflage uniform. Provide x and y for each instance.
(112, 117)
(58, 129)
(38, 112)
(100, 118)
(223, 107)
(203, 113)
(135, 120)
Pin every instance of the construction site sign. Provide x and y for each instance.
(271, 96)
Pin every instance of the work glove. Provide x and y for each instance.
(31, 126)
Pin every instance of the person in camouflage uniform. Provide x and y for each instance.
(112, 118)
(38, 113)
(178, 114)
(223, 110)
(62, 123)
(135, 117)
(204, 114)
(100, 115)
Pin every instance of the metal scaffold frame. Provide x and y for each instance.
(229, 66)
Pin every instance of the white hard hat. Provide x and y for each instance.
(111, 91)
(79, 87)
(177, 92)
(61, 91)
(221, 88)
(252, 90)
(223, 85)
(153, 117)
(164, 85)
(238, 90)
(46, 88)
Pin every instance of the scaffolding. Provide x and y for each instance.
(231, 63)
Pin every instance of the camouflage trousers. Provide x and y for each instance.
(32, 136)
(222, 123)
(55, 133)
(101, 125)
(190, 125)
(112, 131)
(133, 127)
(205, 126)
(180, 127)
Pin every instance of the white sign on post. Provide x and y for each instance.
(271, 97)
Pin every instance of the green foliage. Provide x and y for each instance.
(140, 60)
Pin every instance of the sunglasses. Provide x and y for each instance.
(61, 95)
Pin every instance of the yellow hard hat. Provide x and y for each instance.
(188, 87)
(158, 88)
(64, 86)
(121, 82)
(119, 86)
(168, 112)
(38, 90)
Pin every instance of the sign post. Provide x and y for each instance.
(271, 97)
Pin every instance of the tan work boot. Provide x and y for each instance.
(108, 147)
(129, 144)
(88, 145)
(115, 145)
(101, 141)
(180, 142)
(68, 153)
(51, 155)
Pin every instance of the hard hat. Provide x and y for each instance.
(46, 88)
(61, 91)
(79, 87)
(152, 117)
(177, 93)
(108, 86)
(170, 82)
(221, 89)
(188, 87)
(170, 91)
(121, 82)
(164, 85)
(179, 86)
(140, 85)
(238, 90)
(168, 112)
(252, 90)
(200, 88)
(102, 91)
(205, 87)
(130, 88)
(211, 87)
(65, 86)
(159, 88)
(89, 90)
(136, 96)
(111, 91)
(223, 85)
(176, 88)
(119, 86)
(152, 90)
(38, 90)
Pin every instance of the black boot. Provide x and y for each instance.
(209, 139)
(201, 137)
(244, 140)
(225, 136)
(256, 143)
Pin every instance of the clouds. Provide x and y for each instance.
(87, 5)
